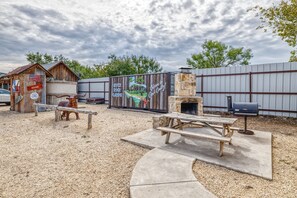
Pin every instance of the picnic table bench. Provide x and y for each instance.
(177, 121)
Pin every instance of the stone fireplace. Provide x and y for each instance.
(185, 99)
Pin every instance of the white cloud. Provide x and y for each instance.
(167, 30)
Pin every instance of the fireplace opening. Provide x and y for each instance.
(189, 108)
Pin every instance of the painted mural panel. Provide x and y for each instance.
(149, 91)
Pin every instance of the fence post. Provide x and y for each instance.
(201, 85)
(104, 91)
(89, 89)
(251, 88)
(110, 92)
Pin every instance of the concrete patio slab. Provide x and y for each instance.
(247, 154)
(160, 166)
(172, 190)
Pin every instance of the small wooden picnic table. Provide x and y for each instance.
(177, 121)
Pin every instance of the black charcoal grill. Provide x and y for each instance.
(243, 109)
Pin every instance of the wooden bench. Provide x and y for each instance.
(168, 131)
(58, 110)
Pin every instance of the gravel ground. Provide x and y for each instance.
(42, 158)
(227, 183)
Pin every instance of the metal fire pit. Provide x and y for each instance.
(245, 109)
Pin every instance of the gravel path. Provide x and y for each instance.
(42, 158)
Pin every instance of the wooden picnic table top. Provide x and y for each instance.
(194, 118)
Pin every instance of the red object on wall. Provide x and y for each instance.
(34, 87)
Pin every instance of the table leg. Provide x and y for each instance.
(179, 124)
(224, 130)
(168, 134)
(221, 149)
(167, 138)
(229, 132)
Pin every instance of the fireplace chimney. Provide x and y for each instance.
(185, 99)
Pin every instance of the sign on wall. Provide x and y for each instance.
(15, 86)
(148, 91)
(34, 87)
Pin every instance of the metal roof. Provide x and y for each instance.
(25, 67)
(50, 65)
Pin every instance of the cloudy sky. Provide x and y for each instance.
(168, 30)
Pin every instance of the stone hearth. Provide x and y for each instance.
(176, 101)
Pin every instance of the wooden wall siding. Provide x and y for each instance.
(26, 104)
(275, 92)
(149, 92)
(61, 72)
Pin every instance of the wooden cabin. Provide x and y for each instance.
(64, 82)
(24, 81)
(61, 72)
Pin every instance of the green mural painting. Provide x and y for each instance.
(137, 90)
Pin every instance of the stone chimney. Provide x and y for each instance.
(185, 99)
(185, 84)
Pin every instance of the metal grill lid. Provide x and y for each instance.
(244, 108)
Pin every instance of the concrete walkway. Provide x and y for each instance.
(161, 173)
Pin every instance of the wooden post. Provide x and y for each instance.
(221, 148)
(36, 110)
(168, 133)
(89, 121)
(57, 115)
(167, 138)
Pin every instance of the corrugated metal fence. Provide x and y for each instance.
(273, 86)
(94, 87)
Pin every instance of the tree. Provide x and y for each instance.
(39, 58)
(216, 54)
(116, 66)
(145, 64)
(126, 65)
(282, 19)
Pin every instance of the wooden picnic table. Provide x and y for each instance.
(177, 121)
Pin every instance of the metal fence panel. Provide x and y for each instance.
(273, 86)
(94, 87)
